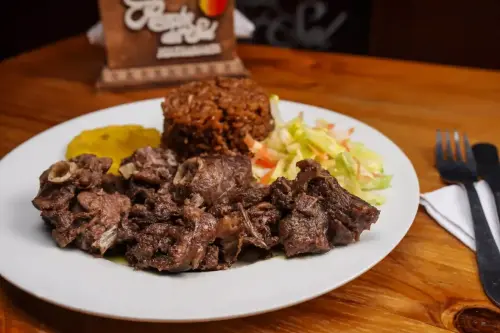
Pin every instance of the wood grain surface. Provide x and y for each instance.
(429, 283)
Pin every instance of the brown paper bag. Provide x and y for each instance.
(152, 42)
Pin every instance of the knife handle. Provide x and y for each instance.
(493, 180)
(487, 253)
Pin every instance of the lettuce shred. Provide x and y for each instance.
(357, 168)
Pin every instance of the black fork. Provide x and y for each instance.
(457, 166)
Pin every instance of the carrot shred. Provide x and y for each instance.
(263, 154)
(358, 167)
(350, 130)
(249, 141)
(264, 158)
(321, 156)
(344, 143)
(364, 178)
(267, 177)
(331, 126)
(265, 163)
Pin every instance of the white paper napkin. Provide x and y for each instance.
(243, 28)
(450, 208)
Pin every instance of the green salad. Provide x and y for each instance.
(358, 169)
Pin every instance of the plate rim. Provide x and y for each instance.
(265, 309)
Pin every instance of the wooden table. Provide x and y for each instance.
(429, 283)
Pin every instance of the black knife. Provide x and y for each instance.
(488, 168)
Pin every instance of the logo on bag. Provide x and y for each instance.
(176, 28)
(213, 8)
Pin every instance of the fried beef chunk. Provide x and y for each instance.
(150, 165)
(95, 221)
(321, 214)
(61, 180)
(352, 212)
(199, 215)
(156, 207)
(260, 221)
(59, 183)
(149, 172)
(247, 197)
(90, 170)
(252, 195)
(282, 194)
(76, 208)
(178, 235)
(214, 178)
(180, 246)
(255, 226)
(114, 184)
(304, 230)
(230, 232)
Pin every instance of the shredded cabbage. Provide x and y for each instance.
(358, 169)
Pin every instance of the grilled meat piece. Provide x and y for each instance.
(177, 247)
(149, 173)
(252, 195)
(261, 225)
(74, 205)
(114, 183)
(230, 233)
(59, 183)
(282, 194)
(255, 226)
(158, 207)
(91, 223)
(321, 214)
(90, 170)
(352, 212)
(150, 165)
(304, 230)
(214, 178)
(155, 207)
(199, 215)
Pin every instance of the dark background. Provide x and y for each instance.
(455, 32)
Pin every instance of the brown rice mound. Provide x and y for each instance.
(209, 117)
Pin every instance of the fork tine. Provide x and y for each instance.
(439, 147)
(449, 151)
(458, 149)
(468, 150)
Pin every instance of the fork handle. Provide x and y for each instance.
(487, 253)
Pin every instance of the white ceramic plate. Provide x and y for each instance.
(30, 259)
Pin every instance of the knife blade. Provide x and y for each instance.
(488, 168)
